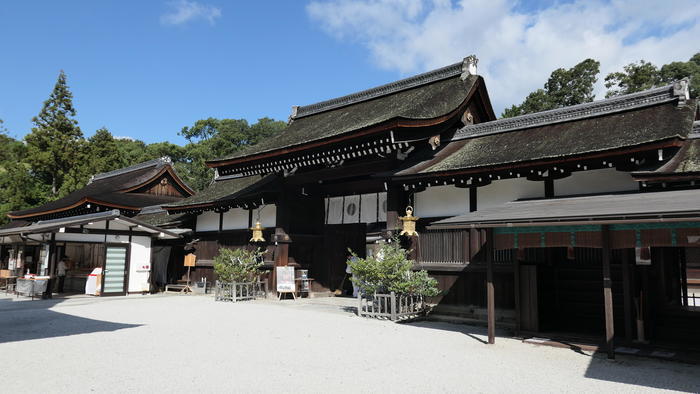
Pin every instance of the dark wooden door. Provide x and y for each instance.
(529, 311)
(337, 238)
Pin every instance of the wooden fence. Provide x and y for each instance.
(232, 291)
(391, 306)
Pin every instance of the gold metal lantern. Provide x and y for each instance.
(409, 222)
(257, 233)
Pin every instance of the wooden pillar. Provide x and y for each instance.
(472, 199)
(607, 292)
(396, 202)
(490, 301)
(627, 292)
(684, 276)
(549, 188)
(516, 294)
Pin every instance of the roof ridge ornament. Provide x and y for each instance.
(295, 110)
(682, 91)
(469, 68)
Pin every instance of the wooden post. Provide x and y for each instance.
(490, 301)
(472, 199)
(393, 306)
(607, 292)
(627, 292)
(516, 293)
(684, 276)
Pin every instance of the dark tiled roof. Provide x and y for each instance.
(162, 219)
(106, 188)
(426, 96)
(684, 164)
(223, 189)
(625, 121)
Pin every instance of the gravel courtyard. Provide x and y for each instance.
(193, 344)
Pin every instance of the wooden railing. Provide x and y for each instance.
(391, 306)
(233, 291)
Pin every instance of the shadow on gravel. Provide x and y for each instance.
(655, 374)
(474, 332)
(28, 320)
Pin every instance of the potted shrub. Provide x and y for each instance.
(389, 287)
(237, 271)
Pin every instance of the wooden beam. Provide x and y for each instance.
(627, 292)
(607, 292)
(490, 301)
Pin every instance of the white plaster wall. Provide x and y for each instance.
(208, 221)
(268, 216)
(499, 192)
(139, 264)
(236, 219)
(605, 180)
(441, 201)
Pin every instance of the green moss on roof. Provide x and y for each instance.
(690, 162)
(222, 190)
(424, 102)
(619, 130)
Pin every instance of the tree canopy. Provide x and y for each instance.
(56, 159)
(642, 75)
(563, 88)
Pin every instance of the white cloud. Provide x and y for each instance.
(517, 50)
(183, 11)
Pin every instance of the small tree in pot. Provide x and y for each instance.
(391, 271)
(237, 265)
(237, 270)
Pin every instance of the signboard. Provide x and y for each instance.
(285, 279)
(190, 260)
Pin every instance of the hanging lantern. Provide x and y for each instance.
(409, 222)
(257, 233)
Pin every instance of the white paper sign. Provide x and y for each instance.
(285, 279)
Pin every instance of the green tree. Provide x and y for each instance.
(238, 265)
(563, 88)
(391, 270)
(635, 77)
(643, 75)
(104, 152)
(55, 141)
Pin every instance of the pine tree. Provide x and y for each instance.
(55, 141)
(104, 153)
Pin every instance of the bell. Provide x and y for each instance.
(409, 222)
(257, 233)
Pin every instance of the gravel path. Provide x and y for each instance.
(193, 344)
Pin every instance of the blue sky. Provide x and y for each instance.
(142, 77)
(146, 69)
